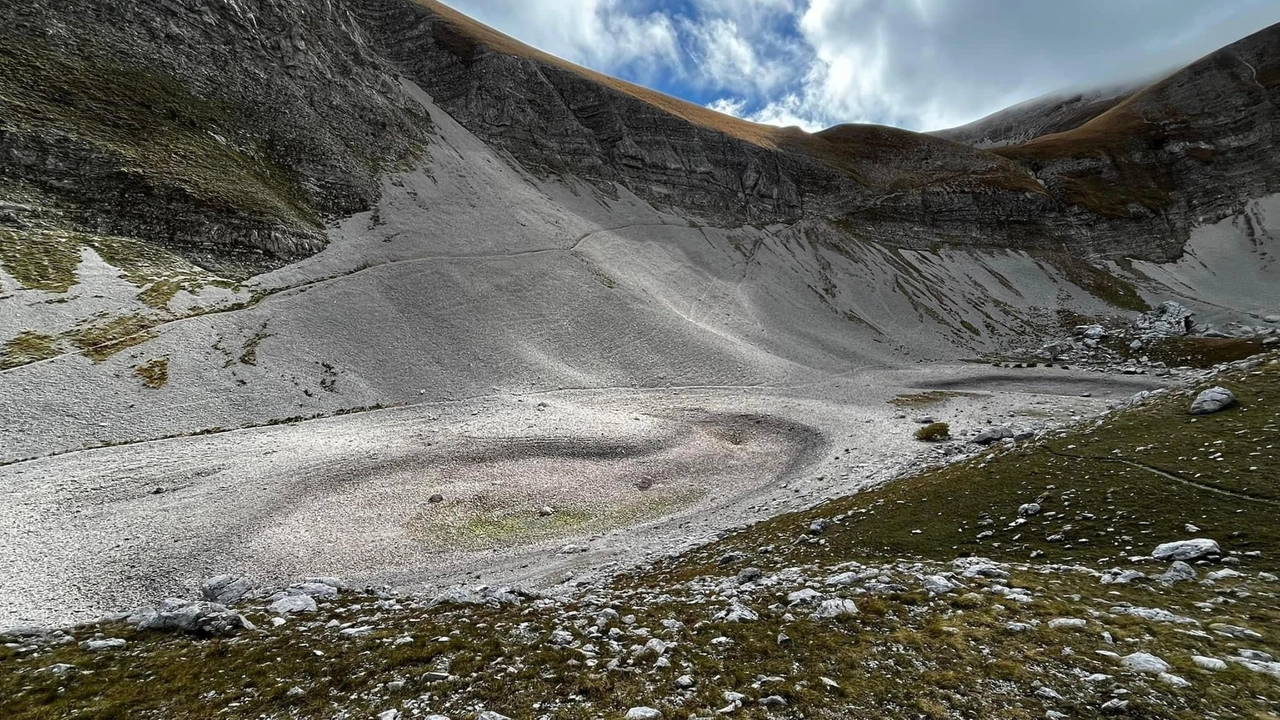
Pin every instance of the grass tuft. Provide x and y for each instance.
(154, 373)
(27, 347)
(934, 432)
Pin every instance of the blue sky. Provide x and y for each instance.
(918, 64)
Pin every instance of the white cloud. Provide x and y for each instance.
(724, 58)
(601, 34)
(920, 64)
(728, 106)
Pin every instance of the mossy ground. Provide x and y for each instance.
(27, 347)
(492, 526)
(154, 373)
(927, 398)
(904, 655)
(48, 260)
(106, 335)
(151, 124)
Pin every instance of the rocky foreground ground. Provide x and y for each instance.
(1125, 567)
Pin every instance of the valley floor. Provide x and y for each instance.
(1019, 583)
(546, 489)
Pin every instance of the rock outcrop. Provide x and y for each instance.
(228, 132)
(232, 132)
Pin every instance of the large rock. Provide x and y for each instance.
(739, 613)
(834, 608)
(1166, 320)
(202, 618)
(939, 585)
(225, 589)
(1056, 350)
(292, 604)
(995, 434)
(1145, 662)
(314, 589)
(1186, 549)
(107, 644)
(1215, 399)
(1178, 572)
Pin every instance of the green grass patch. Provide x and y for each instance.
(1198, 352)
(154, 373)
(48, 260)
(27, 347)
(927, 398)
(39, 261)
(489, 524)
(934, 432)
(108, 335)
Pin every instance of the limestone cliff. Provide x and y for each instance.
(231, 131)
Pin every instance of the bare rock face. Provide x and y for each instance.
(1130, 181)
(228, 132)
(232, 132)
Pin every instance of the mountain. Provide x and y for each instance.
(1045, 115)
(294, 289)
(904, 187)
(237, 129)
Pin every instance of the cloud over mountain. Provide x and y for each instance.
(923, 64)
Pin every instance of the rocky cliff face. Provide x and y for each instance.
(228, 131)
(231, 131)
(1137, 196)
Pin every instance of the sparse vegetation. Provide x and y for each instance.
(99, 340)
(39, 261)
(154, 372)
(328, 377)
(934, 432)
(1198, 352)
(150, 122)
(1098, 282)
(927, 398)
(249, 353)
(43, 259)
(27, 347)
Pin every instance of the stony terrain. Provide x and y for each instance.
(1097, 570)
(597, 403)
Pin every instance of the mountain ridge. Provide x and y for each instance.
(229, 131)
